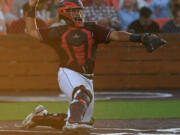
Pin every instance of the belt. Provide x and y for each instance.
(89, 76)
(80, 69)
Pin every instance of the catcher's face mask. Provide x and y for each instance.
(71, 12)
(75, 14)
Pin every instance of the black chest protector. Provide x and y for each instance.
(79, 47)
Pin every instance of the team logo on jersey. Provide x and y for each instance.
(76, 36)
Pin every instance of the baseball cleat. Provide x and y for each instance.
(27, 123)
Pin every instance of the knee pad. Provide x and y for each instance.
(82, 94)
(81, 98)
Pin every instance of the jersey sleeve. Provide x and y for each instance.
(44, 33)
(101, 34)
(51, 35)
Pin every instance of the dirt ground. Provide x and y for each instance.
(101, 127)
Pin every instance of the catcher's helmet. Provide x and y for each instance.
(70, 6)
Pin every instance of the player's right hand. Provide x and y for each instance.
(33, 2)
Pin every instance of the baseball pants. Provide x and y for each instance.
(68, 80)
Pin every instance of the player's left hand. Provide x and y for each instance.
(152, 42)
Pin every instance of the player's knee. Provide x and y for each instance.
(82, 94)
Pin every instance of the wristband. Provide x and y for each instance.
(135, 38)
(31, 12)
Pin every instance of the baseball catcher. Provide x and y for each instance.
(76, 43)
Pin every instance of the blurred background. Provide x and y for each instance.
(138, 16)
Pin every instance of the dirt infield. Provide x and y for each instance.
(103, 127)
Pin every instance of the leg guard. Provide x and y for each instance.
(81, 100)
(54, 120)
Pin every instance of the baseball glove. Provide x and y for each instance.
(152, 42)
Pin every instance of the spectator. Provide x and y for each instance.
(6, 11)
(42, 10)
(128, 13)
(148, 1)
(160, 8)
(17, 7)
(113, 3)
(52, 8)
(52, 18)
(174, 4)
(2, 24)
(18, 26)
(142, 3)
(145, 23)
(173, 25)
(102, 14)
(87, 2)
(139, 4)
(51, 12)
(9, 4)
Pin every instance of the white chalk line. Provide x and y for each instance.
(135, 94)
(28, 131)
(98, 96)
(171, 131)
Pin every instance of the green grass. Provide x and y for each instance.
(102, 110)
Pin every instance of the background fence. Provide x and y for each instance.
(27, 64)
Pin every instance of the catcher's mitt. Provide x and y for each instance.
(152, 42)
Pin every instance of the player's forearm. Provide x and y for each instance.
(31, 27)
(30, 20)
(150, 41)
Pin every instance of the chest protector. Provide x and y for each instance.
(78, 44)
